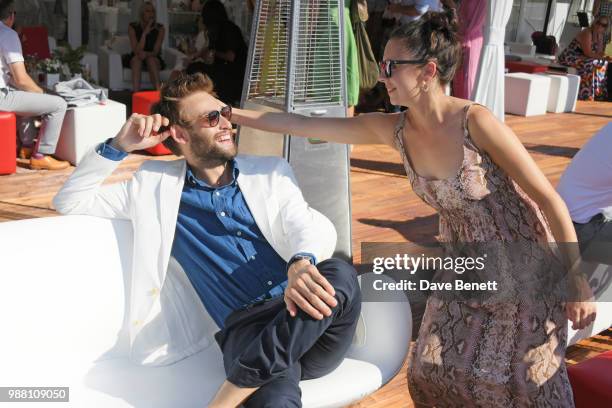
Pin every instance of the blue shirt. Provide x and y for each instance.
(220, 247)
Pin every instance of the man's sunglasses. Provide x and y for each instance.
(208, 120)
(386, 66)
(211, 119)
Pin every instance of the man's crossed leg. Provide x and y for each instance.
(264, 347)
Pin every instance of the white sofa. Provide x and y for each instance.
(115, 77)
(63, 286)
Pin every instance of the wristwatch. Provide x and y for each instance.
(299, 257)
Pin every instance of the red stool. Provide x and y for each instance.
(141, 103)
(8, 144)
(525, 66)
(592, 381)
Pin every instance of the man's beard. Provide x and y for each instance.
(209, 150)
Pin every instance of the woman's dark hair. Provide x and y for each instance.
(213, 13)
(433, 37)
(214, 17)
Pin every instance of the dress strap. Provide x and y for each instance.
(399, 127)
(464, 122)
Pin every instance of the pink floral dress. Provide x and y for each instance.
(501, 353)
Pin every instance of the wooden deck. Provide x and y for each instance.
(384, 207)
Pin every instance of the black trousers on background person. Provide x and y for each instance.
(263, 346)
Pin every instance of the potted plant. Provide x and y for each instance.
(51, 68)
(71, 59)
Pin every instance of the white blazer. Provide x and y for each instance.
(168, 320)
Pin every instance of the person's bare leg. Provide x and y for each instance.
(136, 65)
(229, 395)
(154, 67)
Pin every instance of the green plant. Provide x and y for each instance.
(71, 57)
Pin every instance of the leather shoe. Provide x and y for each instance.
(47, 163)
(25, 153)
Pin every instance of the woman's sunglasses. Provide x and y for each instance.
(386, 66)
(604, 25)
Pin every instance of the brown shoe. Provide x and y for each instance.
(25, 153)
(47, 163)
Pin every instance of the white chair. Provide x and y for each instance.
(526, 94)
(85, 127)
(115, 77)
(557, 96)
(572, 92)
(63, 297)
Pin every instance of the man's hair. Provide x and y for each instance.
(171, 94)
(7, 7)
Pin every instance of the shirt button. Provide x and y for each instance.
(269, 283)
(154, 292)
(217, 193)
(239, 233)
(253, 258)
(222, 213)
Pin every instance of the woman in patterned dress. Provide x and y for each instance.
(586, 53)
(474, 171)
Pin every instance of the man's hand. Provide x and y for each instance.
(308, 290)
(140, 132)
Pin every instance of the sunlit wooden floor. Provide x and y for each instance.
(384, 207)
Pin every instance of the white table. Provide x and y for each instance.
(86, 126)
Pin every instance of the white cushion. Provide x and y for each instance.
(526, 94)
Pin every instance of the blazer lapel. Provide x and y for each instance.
(170, 190)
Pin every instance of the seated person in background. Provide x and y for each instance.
(146, 37)
(20, 94)
(586, 54)
(586, 187)
(199, 51)
(238, 230)
(228, 51)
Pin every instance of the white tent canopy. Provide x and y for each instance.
(489, 88)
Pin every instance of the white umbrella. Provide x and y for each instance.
(489, 89)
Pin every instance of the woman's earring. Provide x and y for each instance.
(425, 87)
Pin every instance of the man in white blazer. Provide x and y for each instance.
(226, 234)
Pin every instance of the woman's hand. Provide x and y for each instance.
(148, 28)
(581, 314)
(583, 311)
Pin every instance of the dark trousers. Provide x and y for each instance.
(263, 346)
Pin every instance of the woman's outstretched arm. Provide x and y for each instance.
(371, 128)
